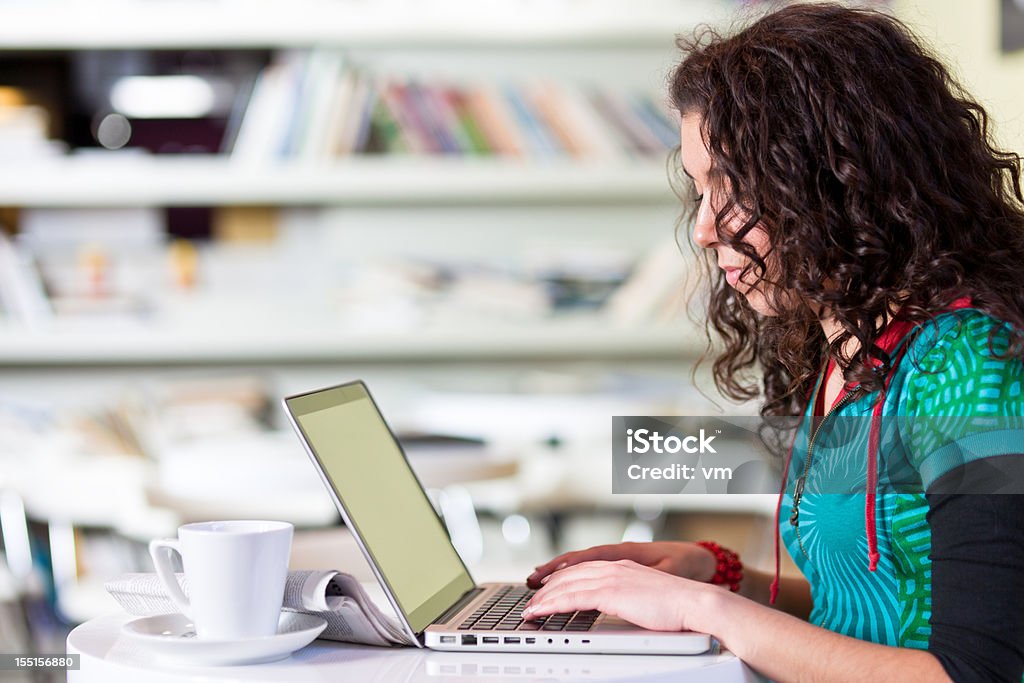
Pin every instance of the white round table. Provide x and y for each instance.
(108, 658)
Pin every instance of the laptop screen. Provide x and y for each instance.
(382, 499)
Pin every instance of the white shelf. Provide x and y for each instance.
(139, 345)
(217, 181)
(102, 24)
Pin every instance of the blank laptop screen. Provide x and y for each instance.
(385, 504)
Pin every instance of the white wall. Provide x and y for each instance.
(966, 34)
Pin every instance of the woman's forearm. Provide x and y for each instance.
(794, 592)
(787, 649)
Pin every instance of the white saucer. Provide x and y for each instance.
(173, 637)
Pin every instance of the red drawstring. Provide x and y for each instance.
(893, 334)
(871, 492)
(870, 527)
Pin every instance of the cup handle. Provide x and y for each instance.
(164, 571)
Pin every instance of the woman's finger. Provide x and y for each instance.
(561, 580)
(576, 571)
(576, 599)
(599, 552)
(598, 581)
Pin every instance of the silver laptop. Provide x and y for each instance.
(406, 544)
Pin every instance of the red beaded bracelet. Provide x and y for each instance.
(728, 568)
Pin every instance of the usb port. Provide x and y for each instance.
(531, 641)
(490, 640)
(469, 640)
(512, 641)
(447, 639)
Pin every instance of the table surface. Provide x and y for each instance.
(107, 657)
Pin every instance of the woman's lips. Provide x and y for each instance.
(732, 275)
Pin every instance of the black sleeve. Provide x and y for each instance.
(978, 574)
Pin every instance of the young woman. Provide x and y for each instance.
(869, 243)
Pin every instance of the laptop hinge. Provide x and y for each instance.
(462, 602)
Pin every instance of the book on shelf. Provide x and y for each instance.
(91, 262)
(310, 140)
(25, 127)
(654, 291)
(266, 117)
(349, 117)
(634, 135)
(459, 106)
(666, 131)
(432, 135)
(237, 112)
(540, 138)
(386, 134)
(487, 108)
(317, 105)
(23, 297)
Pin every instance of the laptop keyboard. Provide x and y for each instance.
(503, 612)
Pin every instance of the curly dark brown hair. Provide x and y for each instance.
(874, 175)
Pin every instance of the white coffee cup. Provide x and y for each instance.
(236, 572)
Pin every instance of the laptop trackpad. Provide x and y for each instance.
(611, 623)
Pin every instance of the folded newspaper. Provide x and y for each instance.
(339, 599)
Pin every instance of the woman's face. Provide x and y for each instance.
(697, 165)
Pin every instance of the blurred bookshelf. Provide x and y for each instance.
(539, 127)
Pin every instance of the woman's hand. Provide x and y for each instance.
(687, 560)
(639, 594)
(777, 645)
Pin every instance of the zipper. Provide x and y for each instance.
(798, 492)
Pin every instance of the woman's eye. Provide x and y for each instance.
(698, 199)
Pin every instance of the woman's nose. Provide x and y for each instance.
(704, 234)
